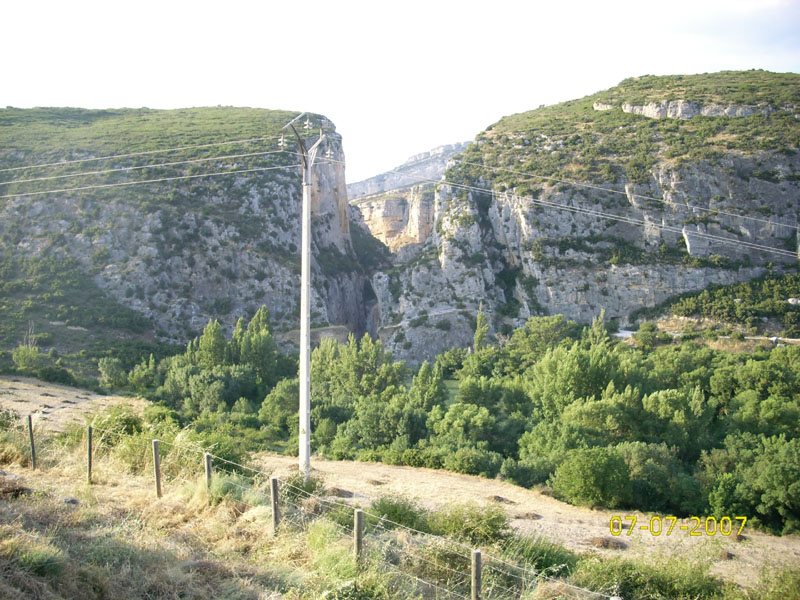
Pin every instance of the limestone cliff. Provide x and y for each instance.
(596, 205)
(190, 247)
(419, 168)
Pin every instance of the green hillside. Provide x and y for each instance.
(572, 140)
(54, 246)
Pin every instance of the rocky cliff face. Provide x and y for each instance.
(419, 168)
(184, 252)
(401, 219)
(654, 229)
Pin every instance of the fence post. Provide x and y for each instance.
(33, 446)
(157, 467)
(207, 457)
(89, 454)
(273, 496)
(476, 575)
(358, 533)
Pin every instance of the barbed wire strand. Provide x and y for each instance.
(404, 527)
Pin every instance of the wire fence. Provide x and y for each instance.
(432, 566)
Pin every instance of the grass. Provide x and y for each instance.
(118, 541)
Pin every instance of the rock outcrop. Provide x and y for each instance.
(654, 231)
(181, 254)
(419, 168)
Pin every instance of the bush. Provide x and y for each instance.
(27, 358)
(56, 375)
(471, 522)
(540, 554)
(592, 477)
(473, 461)
(112, 374)
(518, 473)
(402, 511)
(672, 578)
(299, 488)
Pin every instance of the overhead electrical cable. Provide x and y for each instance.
(143, 153)
(624, 193)
(160, 179)
(139, 167)
(608, 216)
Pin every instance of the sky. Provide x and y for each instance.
(397, 78)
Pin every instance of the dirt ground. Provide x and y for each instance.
(580, 529)
(531, 511)
(54, 407)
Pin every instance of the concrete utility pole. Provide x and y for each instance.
(305, 304)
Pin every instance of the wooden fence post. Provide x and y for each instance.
(273, 496)
(33, 446)
(358, 533)
(207, 457)
(157, 467)
(476, 575)
(89, 454)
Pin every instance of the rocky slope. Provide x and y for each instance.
(182, 251)
(613, 202)
(418, 168)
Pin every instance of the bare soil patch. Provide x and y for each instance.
(55, 407)
(532, 512)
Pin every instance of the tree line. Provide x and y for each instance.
(676, 428)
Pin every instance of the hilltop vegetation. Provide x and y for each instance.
(572, 140)
(137, 263)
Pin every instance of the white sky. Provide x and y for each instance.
(396, 78)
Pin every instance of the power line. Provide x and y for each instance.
(624, 193)
(145, 152)
(168, 164)
(609, 216)
(634, 221)
(127, 183)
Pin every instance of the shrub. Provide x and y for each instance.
(443, 324)
(593, 477)
(27, 358)
(396, 509)
(471, 522)
(56, 375)
(299, 488)
(540, 554)
(672, 578)
(112, 375)
(473, 461)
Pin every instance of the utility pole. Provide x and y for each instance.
(305, 299)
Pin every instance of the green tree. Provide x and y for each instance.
(592, 477)
(211, 346)
(27, 358)
(481, 330)
(112, 375)
(258, 349)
